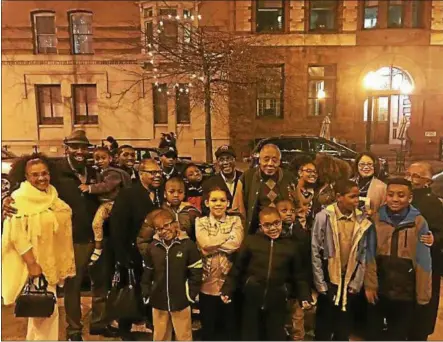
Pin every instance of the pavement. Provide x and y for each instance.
(14, 329)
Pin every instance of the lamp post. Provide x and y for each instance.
(370, 83)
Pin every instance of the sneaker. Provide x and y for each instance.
(75, 337)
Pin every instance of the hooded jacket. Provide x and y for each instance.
(326, 261)
(400, 268)
(172, 274)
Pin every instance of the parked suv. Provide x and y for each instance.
(293, 146)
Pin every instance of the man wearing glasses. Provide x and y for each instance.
(420, 175)
(131, 207)
(228, 175)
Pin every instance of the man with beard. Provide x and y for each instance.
(226, 179)
(262, 187)
(420, 176)
(126, 161)
(131, 207)
(168, 159)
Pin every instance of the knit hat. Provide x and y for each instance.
(77, 137)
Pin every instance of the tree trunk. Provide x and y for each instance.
(208, 127)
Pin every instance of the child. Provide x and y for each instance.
(400, 271)
(171, 279)
(110, 181)
(194, 190)
(339, 245)
(264, 264)
(218, 237)
(294, 228)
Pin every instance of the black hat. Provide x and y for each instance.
(168, 151)
(225, 149)
(77, 137)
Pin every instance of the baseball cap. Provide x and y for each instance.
(225, 149)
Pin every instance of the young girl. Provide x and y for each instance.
(218, 237)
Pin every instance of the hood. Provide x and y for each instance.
(410, 217)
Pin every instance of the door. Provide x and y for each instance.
(381, 130)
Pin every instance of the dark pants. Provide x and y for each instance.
(331, 321)
(100, 283)
(398, 315)
(218, 319)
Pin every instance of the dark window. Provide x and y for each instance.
(49, 104)
(147, 12)
(160, 103)
(81, 32)
(321, 90)
(370, 14)
(270, 92)
(182, 104)
(417, 13)
(149, 34)
(322, 15)
(167, 29)
(395, 13)
(289, 145)
(44, 33)
(270, 16)
(85, 104)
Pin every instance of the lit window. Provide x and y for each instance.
(182, 104)
(44, 32)
(321, 90)
(85, 104)
(370, 14)
(270, 92)
(49, 104)
(322, 15)
(160, 103)
(270, 16)
(81, 32)
(395, 13)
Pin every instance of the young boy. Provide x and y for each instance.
(110, 181)
(340, 237)
(399, 274)
(293, 228)
(171, 279)
(194, 189)
(264, 264)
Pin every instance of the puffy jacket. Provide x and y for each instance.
(402, 267)
(172, 274)
(264, 267)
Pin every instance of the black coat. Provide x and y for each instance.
(127, 216)
(83, 205)
(172, 275)
(263, 267)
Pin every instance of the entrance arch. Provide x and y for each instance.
(391, 104)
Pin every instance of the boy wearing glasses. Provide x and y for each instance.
(340, 238)
(263, 266)
(171, 279)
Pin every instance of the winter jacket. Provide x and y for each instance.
(218, 181)
(400, 267)
(326, 260)
(248, 191)
(376, 193)
(264, 267)
(172, 274)
(109, 183)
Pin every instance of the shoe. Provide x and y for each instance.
(108, 331)
(75, 337)
(127, 336)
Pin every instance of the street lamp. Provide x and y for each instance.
(371, 82)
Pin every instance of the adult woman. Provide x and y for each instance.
(37, 240)
(372, 190)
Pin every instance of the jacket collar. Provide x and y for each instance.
(181, 235)
(358, 214)
(340, 215)
(410, 217)
(278, 177)
(213, 220)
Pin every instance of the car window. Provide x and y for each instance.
(289, 145)
(322, 146)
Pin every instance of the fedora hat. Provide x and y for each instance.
(77, 137)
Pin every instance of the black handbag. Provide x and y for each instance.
(124, 300)
(35, 301)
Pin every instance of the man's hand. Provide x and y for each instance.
(371, 296)
(34, 270)
(84, 187)
(306, 305)
(352, 291)
(427, 239)
(225, 299)
(8, 209)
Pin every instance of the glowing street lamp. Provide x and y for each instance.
(406, 88)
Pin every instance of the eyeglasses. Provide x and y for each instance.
(365, 165)
(153, 173)
(270, 225)
(310, 171)
(166, 226)
(416, 176)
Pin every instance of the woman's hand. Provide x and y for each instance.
(427, 239)
(8, 210)
(225, 299)
(34, 270)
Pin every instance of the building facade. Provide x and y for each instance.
(79, 64)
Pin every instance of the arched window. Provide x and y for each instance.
(393, 78)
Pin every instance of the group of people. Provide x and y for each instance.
(254, 252)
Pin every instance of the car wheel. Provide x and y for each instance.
(6, 186)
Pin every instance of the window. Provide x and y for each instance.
(321, 90)
(182, 104)
(395, 13)
(168, 29)
(270, 92)
(322, 15)
(81, 32)
(149, 34)
(49, 104)
(417, 13)
(147, 12)
(160, 102)
(370, 14)
(270, 16)
(45, 37)
(85, 104)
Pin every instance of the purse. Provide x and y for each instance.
(35, 301)
(124, 300)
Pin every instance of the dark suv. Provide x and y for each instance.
(293, 146)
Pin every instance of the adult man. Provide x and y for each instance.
(126, 161)
(168, 159)
(228, 176)
(420, 175)
(131, 207)
(262, 187)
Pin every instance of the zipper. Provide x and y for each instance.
(269, 273)
(167, 279)
(406, 238)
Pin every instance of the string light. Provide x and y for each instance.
(199, 16)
